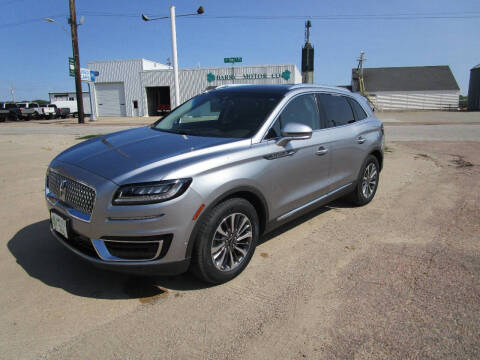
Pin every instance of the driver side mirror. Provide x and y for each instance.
(294, 131)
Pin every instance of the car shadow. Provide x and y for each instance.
(45, 259)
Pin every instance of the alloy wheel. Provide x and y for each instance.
(369, 180)
(231, 241)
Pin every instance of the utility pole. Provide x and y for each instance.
(76, 56)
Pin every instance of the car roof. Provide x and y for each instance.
(276, 89)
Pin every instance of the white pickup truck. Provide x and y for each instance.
(49, 111)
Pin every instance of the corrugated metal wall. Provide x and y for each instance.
(194, 81)
(126, 71)
(422, 100)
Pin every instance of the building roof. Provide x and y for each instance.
(412, 78)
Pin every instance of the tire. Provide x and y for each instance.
(365, 189)
(232, 254)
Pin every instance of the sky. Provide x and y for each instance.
(34, 53)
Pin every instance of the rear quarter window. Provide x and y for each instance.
(358, 110)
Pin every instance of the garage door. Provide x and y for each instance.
(111, 99)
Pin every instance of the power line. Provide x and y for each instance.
(29, 21)
(349, 17)
(396, 16)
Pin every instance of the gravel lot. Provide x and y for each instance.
(399, 278)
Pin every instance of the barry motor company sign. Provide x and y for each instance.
(284, 75)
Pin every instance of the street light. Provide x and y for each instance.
(174, 44)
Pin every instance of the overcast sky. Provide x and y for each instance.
(35, 53)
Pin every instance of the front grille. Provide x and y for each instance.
(76, 195)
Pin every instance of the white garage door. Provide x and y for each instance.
(111, 99)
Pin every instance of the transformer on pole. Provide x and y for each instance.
(307, 56)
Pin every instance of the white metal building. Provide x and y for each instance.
(69, 100)
(415, 87)
(140, 87)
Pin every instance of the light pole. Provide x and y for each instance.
(174, 45)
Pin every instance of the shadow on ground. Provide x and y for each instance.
(43, 258)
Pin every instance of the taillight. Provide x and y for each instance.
(20, 110)
(43, 110)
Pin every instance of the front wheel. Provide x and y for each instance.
(367, 182)
(226, 241)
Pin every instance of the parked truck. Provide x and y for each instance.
(49, 111)
(29, 110)
(8, 111)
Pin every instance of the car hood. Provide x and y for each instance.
(113, 155)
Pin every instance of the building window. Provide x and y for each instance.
(71, 98)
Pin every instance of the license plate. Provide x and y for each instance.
(59, 224)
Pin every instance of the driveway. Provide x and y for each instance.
(398, 278)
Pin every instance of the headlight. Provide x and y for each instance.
(149, 193)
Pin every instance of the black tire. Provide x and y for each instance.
(203, 266)
(360, 197)
(12, 117)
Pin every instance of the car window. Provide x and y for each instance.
(220, 114)
(302, 109)
(337, 110)
(22, 106)
(358, 110)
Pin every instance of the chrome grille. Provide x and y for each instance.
(76, 195)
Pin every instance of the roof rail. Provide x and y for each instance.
(317, 86)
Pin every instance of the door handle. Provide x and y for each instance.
(361, 139)
(321, 151)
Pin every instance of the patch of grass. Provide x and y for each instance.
(388, 149)
(86, 137)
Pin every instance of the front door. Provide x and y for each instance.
(296, 173)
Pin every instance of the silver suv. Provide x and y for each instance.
(197, 188)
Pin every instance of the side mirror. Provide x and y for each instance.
(294, 131)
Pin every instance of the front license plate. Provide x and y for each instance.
(59, 224)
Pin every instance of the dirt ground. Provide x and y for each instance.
(396, 279)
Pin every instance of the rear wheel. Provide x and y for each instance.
(226, 241)
(367, 182)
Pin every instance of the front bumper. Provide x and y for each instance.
(168, 224)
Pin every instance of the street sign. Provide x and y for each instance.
(71, 66)
(232, 60)
(84, 74)
(87, 74)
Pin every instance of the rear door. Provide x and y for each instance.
(342, 134)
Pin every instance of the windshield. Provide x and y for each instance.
(220, 114)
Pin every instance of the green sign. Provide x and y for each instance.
(232, 60)
(284, 75)
(71, 66)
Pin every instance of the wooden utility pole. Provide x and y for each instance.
(76, 56)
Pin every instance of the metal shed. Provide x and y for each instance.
(415, 87)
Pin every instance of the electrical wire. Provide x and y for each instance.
(350, 17)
